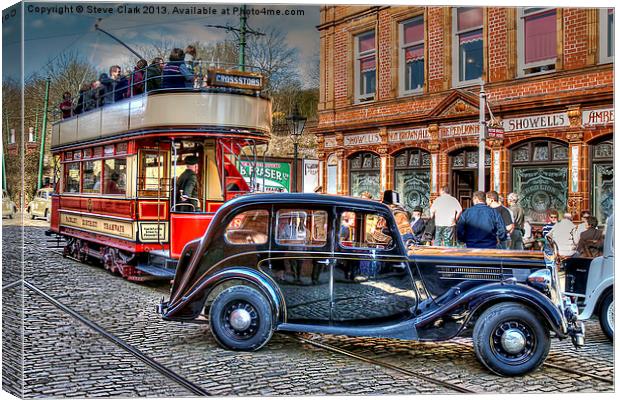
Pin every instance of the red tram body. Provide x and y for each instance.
(115, 197)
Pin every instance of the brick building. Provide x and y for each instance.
(399, 103)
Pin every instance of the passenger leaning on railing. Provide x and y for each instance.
(115, 85)
(66, 107)
(83, 99)
(176, 74)
(154, 74)
(137, 79)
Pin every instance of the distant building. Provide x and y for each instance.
(399, 101)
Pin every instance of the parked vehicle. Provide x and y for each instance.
(338, 265)
(41, 205)
(591, 281)
(9, 209)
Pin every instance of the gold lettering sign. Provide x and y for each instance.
(120, 229)
(236, 79)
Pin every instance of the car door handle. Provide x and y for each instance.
(326, 262)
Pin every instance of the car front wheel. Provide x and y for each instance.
(241, 319)
(606, 315)
(509, 339)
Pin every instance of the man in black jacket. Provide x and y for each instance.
(480, 226)
(187, 185)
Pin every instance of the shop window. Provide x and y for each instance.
(365, 67)
(365, 174)
(412, 177)
(537, 40)
(467, 45)
(115, 176)
(92, 176)
(249, 227)
(602, 180)
(72, 177)
(360, 230)
(301, 227)
(332, 174)
(540, 177)
(412, 55)
(606, 35)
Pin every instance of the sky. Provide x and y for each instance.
(51, 28)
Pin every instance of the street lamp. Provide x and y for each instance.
(296, 124)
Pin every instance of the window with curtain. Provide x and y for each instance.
(468, 43)
(412, 54)
(606, 35)
(366, 66)
(538, 40)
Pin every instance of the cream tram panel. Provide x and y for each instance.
(115, 118)
(89, 125)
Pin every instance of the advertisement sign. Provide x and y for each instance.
(598, 117)
(536, 122)
(271, 176)
(106, 226)
(311, 175)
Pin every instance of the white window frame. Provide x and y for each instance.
(602, 42)
(455, 50)
(521, 45)
(361, 98)
(403, 65)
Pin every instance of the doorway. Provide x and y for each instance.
(464, 178)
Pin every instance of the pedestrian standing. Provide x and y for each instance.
(418, 225)
(583, 226)
(516, 237)
(480, 226)
(563, 234)
(553, 219)
(492, 199)
(446, 210)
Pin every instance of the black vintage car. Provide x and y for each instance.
(340, 265)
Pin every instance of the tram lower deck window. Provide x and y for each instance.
(72, 177)
(115, 176)
(92, 176)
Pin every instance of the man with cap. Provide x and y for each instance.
(418, 225)
(187, 185)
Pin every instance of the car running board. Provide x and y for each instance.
(402, 330)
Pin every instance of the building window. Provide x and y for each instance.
(412, 177)
(467, 45)
(332, 174)
(537, 40)
(412, 55)
(606, 35)
(365, 174)
(365, 67)
(602, 156)
(540, 177)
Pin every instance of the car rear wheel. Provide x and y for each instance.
(241, 319)
(32, 216)
(46, 215)
(509, 339)
(606, 315)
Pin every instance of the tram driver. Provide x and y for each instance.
(187, 186)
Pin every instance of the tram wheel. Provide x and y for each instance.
(241, 319)
(509, 339)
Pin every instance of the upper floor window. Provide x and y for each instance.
(537, 40)
(412, 55)
(365, 66)
(606, 35)
(467, 44)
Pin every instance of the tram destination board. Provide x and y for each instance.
(235, 79)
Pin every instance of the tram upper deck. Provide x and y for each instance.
(230, 104)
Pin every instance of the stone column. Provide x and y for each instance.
(498, 181)
(577, 160)
(386, 181)
(437, 173)
(342, 186)
(320, 154)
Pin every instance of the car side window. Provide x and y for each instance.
(301, 227)
(364, 230)
(248, 227)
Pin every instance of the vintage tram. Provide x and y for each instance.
(117, 198)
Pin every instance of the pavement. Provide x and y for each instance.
(62, 357)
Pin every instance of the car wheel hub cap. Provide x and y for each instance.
(610, 315)
(513, 341)
(240, 319)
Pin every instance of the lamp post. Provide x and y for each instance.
(296, 124)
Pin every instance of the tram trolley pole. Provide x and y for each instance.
(43, 132)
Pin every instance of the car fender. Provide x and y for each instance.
(593, 298)
(472, 302)
(198, 294)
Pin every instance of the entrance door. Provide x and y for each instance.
(465, 183)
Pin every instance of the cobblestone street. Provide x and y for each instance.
(65, 357)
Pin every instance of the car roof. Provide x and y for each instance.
(306, 199)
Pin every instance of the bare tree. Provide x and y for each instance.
(275, 57)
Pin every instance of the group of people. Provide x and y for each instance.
(111, 87)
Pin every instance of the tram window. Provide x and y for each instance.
(92, 176)
(115, 176)
(72, 177)
(250, 227)
(153, 174)
(301, 227)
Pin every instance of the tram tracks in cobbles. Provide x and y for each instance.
(194, 388)
(359, 357)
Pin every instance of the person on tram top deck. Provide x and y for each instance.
(83, 99)
(115, 85)
(190, 56)
(154, 74)
(97, 94)
(136, 85)
(176, 74)
(66, 106)
(187, 186)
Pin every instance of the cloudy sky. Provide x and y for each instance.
(51, 28)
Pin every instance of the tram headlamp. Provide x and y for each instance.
(540, 280)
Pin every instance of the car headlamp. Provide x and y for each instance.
(540, 280)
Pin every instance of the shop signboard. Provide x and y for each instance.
(311, 175)
(534, 122)
(598, 117)
(362, 139)
(330, 141)
(271, 176)
(469, 129)
(408, 135)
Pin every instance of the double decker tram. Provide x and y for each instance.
(125, 195)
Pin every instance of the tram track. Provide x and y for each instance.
(194, 388)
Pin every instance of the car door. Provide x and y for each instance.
(371, 276)
(299, 261)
